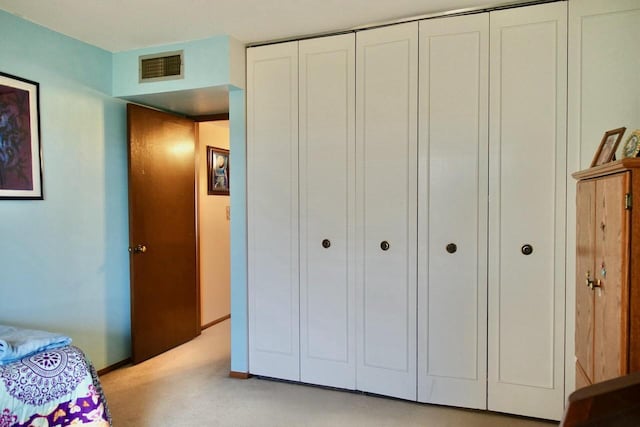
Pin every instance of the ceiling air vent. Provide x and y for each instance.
(161, 66)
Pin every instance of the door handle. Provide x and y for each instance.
(138, 249)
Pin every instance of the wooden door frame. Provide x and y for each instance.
(219, 117)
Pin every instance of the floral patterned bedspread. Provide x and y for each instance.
(53, 388)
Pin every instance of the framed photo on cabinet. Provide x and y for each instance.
(217, 171)
(608, 145)
(632, 146)
(20, 152)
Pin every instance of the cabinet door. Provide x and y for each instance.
(611, 313)
(585, 269)
(386, 145)
(528, 83)
(272, 210)
(453, 175)
(327, 200)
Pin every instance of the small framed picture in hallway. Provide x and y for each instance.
(20, 155)
(217, 171)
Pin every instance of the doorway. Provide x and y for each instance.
(175, 290)
(214, 228)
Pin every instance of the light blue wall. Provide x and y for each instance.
(238, 154)
(63, 260)
(64, 264)
(206, 64)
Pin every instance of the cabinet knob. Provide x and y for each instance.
(384, 245)
(527, 249)
(326, 243)
(589, 281)
(452, 248)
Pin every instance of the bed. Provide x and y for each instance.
(50, 388)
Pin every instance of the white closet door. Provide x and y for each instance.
(452, 211)
(386, 145)
(327, 183)
(272, 216)
(527, 207)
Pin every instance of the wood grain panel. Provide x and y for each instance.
(585, 265)
(611, 299)
(162, 217)
(634, 272)
(581, 377)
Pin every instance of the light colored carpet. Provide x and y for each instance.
(190, 386)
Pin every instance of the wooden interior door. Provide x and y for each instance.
(611, 314)
(585, 270)
(162, 231)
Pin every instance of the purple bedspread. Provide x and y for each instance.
(53, 388)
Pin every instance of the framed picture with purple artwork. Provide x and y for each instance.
(20, 151)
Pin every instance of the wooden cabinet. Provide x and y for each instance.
(607, 272)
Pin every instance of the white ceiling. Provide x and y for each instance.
(120, 25)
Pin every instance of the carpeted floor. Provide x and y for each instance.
(189, 386)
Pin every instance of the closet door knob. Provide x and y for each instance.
(527, 249)
(452, 248)
(384, 245)
(326, 243)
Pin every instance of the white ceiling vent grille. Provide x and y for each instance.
(161, 66)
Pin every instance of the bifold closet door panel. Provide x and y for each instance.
(452, 211)
(272, 210)
(528, 82)
(327, 199)
(386, 150)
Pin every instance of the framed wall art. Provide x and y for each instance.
(607, 148)
(20, 149)
(217, 171)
